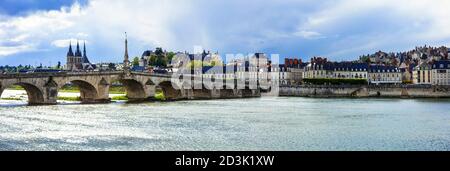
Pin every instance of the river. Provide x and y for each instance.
(268, 123)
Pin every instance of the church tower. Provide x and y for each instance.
(70, 53)
(70, 58)
(74, 60)
(78, 52)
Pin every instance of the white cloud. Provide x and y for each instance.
(64, 43)
(365, 26)
(20, 38)
(147, 22)
(413, 19)
(4, 50)
(27, 33)
(82, 35)
(309, 34)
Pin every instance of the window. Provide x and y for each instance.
(429, 76)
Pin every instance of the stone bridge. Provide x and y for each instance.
(42, 88)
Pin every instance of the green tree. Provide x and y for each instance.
(170, 56)
(161, 62)
(158, 61)
(136, 61)
(153, 60)
(197, 64)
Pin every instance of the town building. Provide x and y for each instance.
(322, 68)
(440, 72)
(246, 71)
(422, 73)
(259, 62)
(381, 74)
(252, 68)
(350, 70)
(318, 68)
(293, 70)
(230, 72)
(105, 67)
(407, 72)
(283, 74)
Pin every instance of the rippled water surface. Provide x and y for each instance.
(269, 123)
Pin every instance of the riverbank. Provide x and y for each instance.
(386, 91)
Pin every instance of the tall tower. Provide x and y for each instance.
(70, 58)
(78, 52)
(126, 61)
(70, 53)
(85, 58)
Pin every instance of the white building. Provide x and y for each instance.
(348, 70)
(422, 74)
(379, 74)
(440, 73)
(294, 70)
(318, 68)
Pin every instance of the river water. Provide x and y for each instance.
(268, 123)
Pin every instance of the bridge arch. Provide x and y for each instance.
(135, 90)
(88, 91)
(34, 93)
(170, 92)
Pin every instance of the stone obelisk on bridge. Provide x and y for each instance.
(126, 61)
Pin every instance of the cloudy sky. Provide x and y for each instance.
(39, 31)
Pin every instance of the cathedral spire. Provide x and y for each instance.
(78, 51)
(126, 61)
(84, 49)
(70, 53)
(85, 58)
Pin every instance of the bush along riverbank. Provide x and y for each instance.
(11, 98)
(75, 89)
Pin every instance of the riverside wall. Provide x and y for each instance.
(394, 91)
(205, 94)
